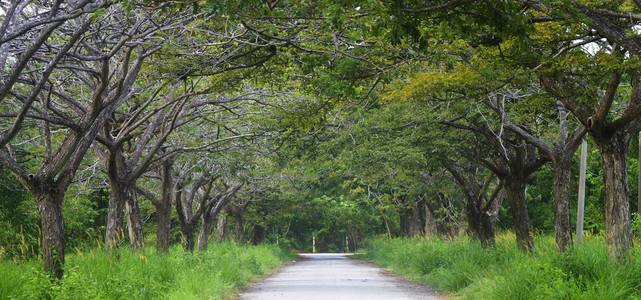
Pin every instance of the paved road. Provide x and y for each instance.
(334, 277)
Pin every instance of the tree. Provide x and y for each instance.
(125, 164)
(25, 31)
(85, 91)
(483, 199)
(568, 25)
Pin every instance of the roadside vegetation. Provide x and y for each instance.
(464, 268)
(217, 273)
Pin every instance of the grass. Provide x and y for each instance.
(95, 274)
(468, 271)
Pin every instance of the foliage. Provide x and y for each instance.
(19, 234)
(125, 274)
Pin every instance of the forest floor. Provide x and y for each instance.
(335, 276)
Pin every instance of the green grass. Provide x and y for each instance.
(95, 274)
(468, 271)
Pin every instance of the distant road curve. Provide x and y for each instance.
(334, 277)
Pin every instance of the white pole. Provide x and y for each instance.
(581, 204)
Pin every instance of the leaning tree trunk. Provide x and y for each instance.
(53, 235)
(515, 188)
(134, 222)
(562, 219)
(614, 161)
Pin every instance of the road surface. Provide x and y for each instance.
(334, 277)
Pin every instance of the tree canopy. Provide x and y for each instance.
(328, 121)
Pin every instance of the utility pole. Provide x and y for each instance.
(639, 185)
(581, 204)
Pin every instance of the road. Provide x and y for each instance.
(334, 277)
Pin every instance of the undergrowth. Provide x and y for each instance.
(144, 274)
(503, 272)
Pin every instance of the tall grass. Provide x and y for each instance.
(123, 274)
(503, 272)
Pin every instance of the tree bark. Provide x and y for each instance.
(163, 205)
(515, 188)
(480, 209)
(221, 225)
(186, 227)
(239, 229)
(53, 236)
(404, 222)
(115, 214)
(478, 223)
(134, 222)
(163, 215)
(618, 231)
(411, 222)
(562, 219)
(430, 223)
(205, 229)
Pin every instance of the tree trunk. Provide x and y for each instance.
(404, 222)
(163, 215)
(186, 226)
(205, 229)
(188, 236)
(416, 225)
(475, 225)
(221, 225)
(430, 223)
(239, 230)
(493, 210)
(115, 214)
(515, 188)
(618, 231)
(134, 222)
(562, 219)
(53, 235)
(163, 205)
(481, 225)
(259, 234)
(411, 222)
(481, 215)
